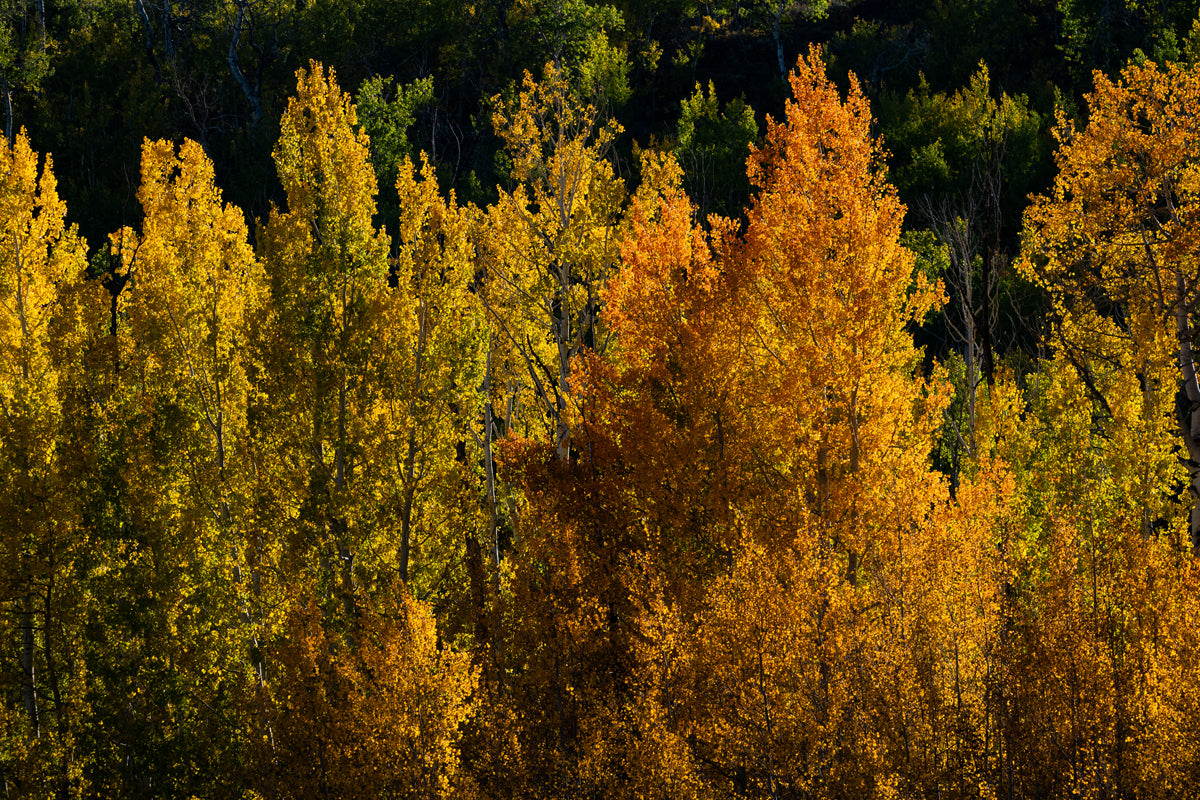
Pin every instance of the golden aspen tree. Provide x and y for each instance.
(1114, 244)
(380, 719)
(546, 249)
(549, 245)
(373, 362)
(371, 368)
(1100, 654)
(433, 386)
(179, 426)
(196, 286)
(328, 331)
(41, 260)
(1097, 650)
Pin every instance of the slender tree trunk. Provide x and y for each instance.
(563, 334)
(489, 425)
(235, 66)
(145, 17)
(478, 591)
(1188, 408)
(40, 5)
(410, 458)
(61, 722)
(985, 306)
(28, 686)
(168, 40)
(8, 111)
(775, 32)
(855, 457)
(971, 383)
(410, 491)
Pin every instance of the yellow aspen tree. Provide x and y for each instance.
(370, 373)
(191, 287)
(41, 260)
(432, 387)
(196, 286)
(1114, 244)
(1097, 650)
(373, 362)
(327, 335)
(1101, 653)
(548, 247)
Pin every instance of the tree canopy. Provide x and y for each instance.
(548, 400)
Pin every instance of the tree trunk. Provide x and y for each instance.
(235, 67)
(28, 687)
(779, 9)
(489, 425)
(8, 112)
(410, 458)
(1188, 408)
(410, 491)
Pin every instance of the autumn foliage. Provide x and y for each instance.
(581, 495)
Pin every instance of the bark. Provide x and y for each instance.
(985, 327)
(28, 687)
(779, 41)
(145, 18)
(60, 716)
(410, 491)
(563, 330)
(410, 458)
(478, 592)
(8, 111)
(489, 425)
(168, 41)
(1188, 410)
(40, 5)
(235, 67)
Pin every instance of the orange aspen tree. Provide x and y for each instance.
(773, 438)
(546, 249)
(379, 717)
(821, 655)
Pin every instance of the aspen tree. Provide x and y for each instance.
(178, 548)
(549, 247)
(1115, 244)
(772, 435)
(1101, 650)
(41, 261)
(325, 341)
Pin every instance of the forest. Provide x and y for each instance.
(683, 399)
